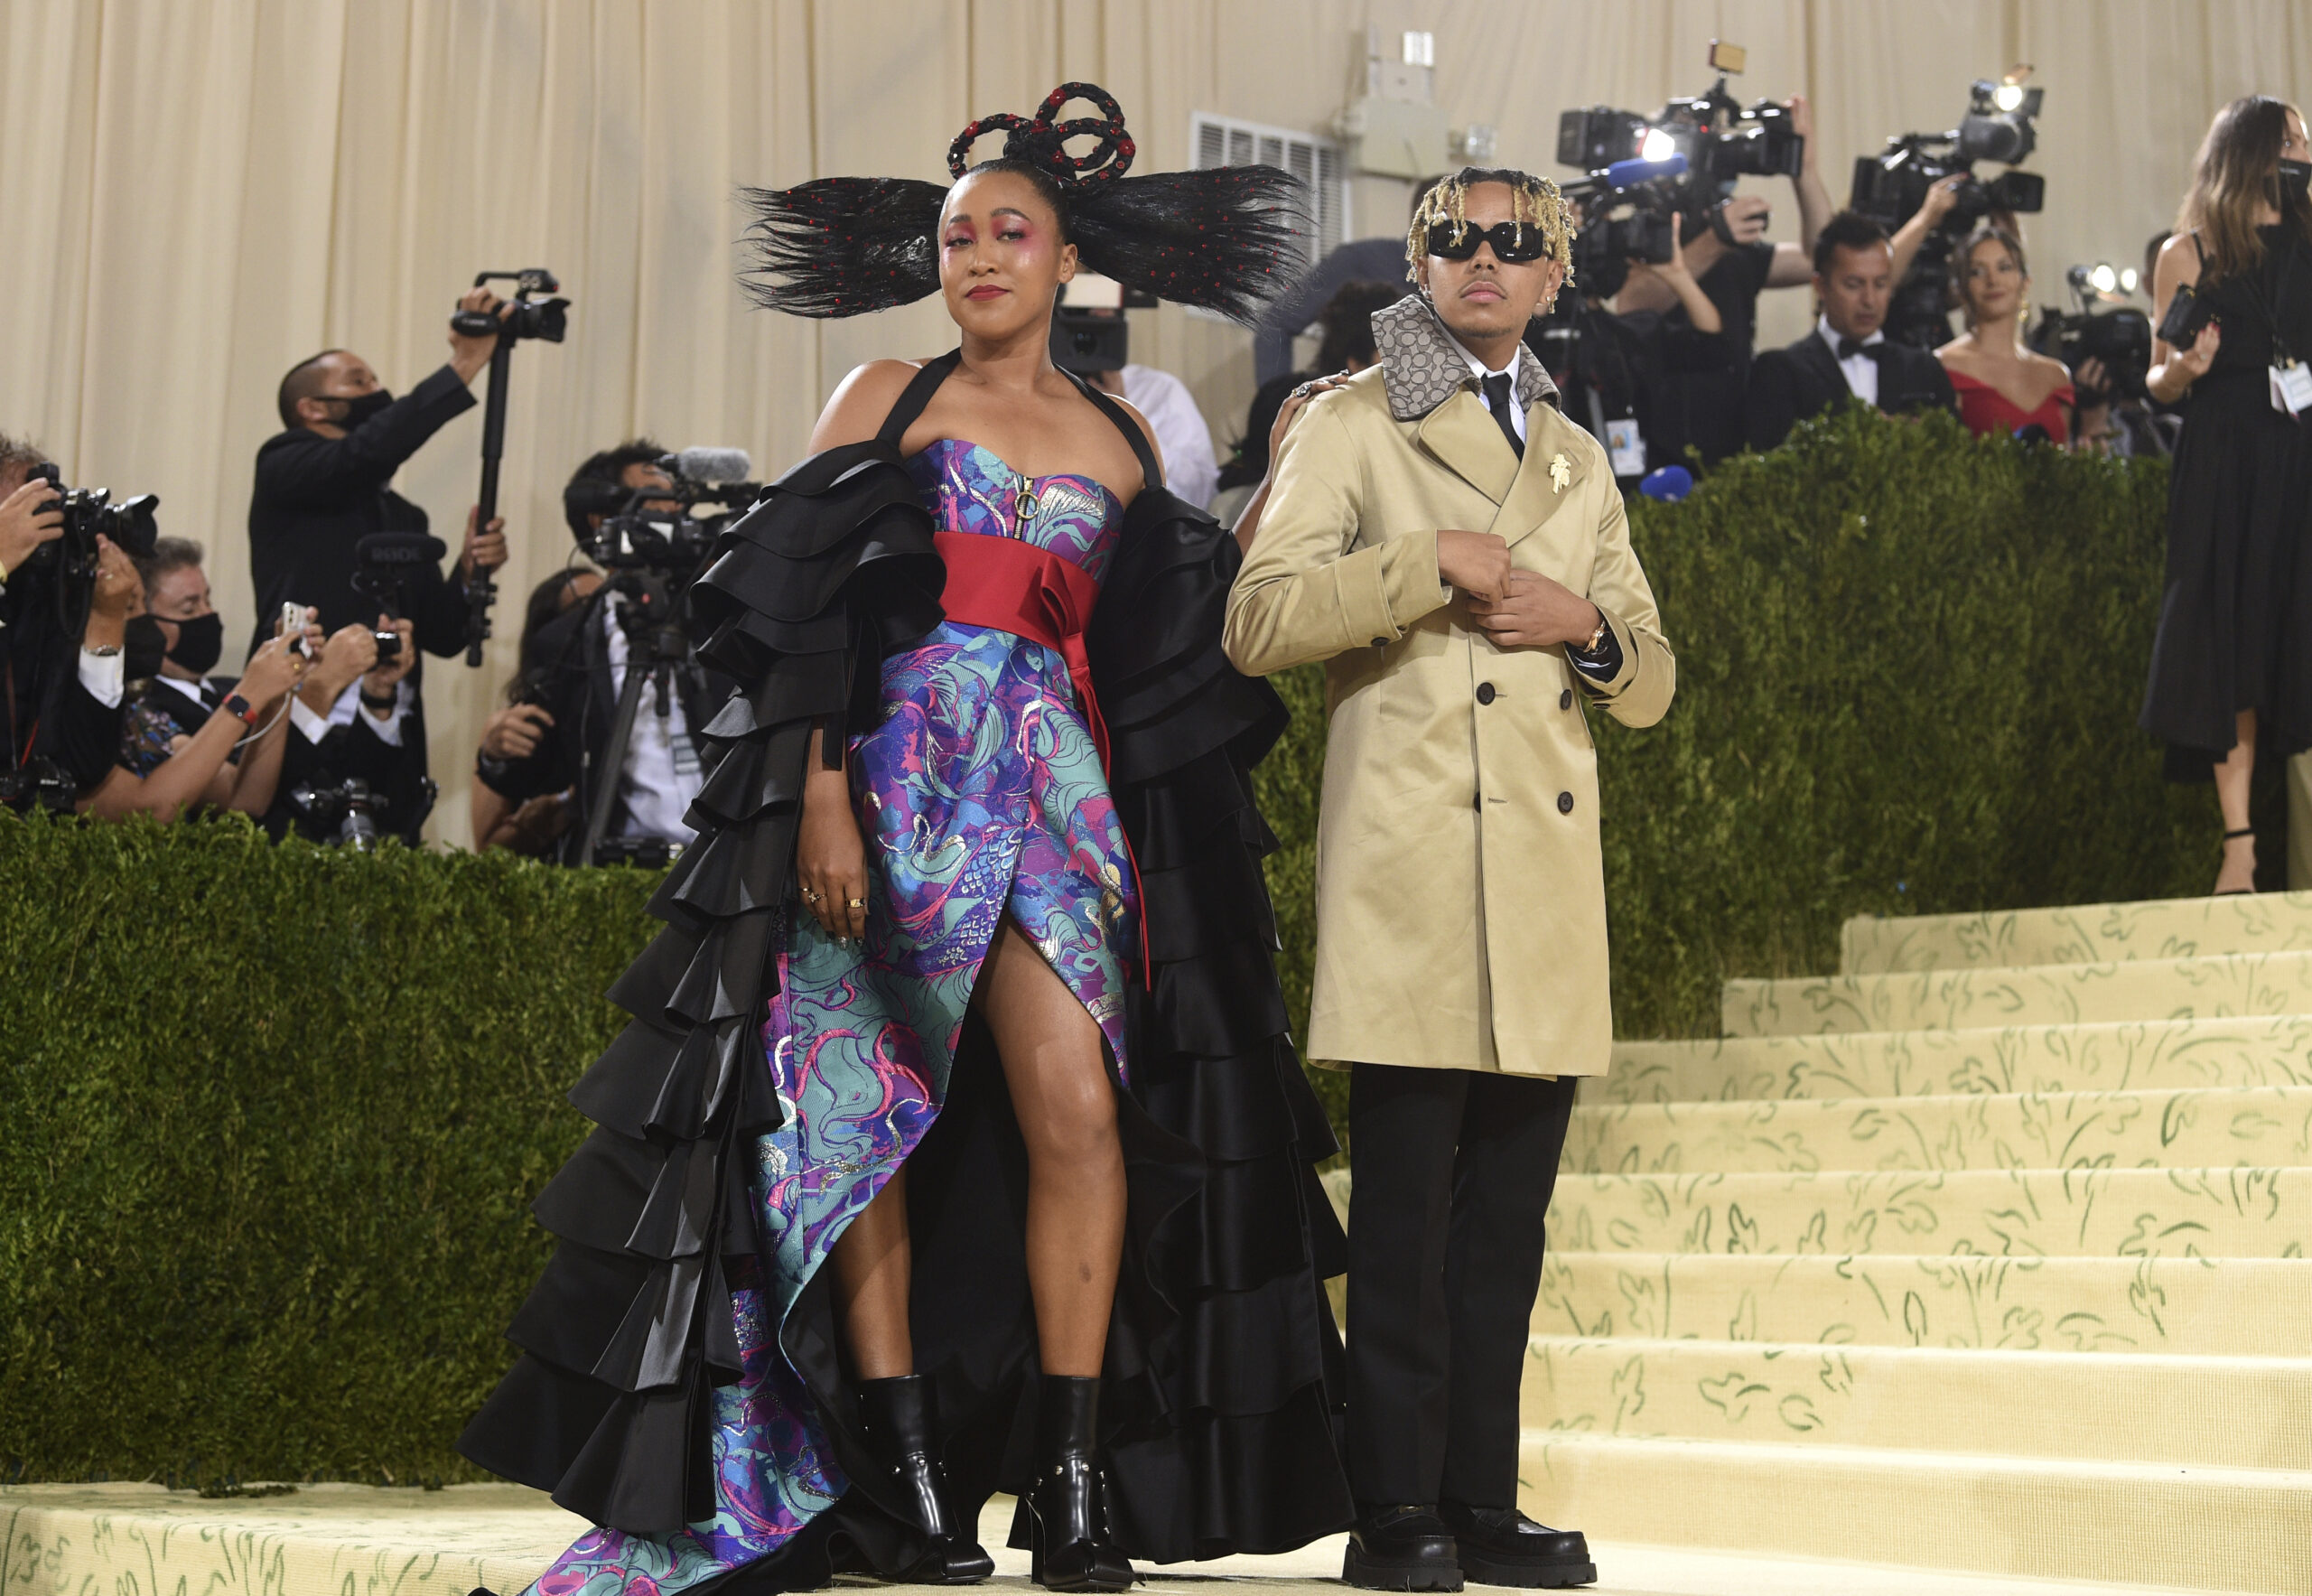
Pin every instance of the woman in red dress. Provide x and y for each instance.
(2002, 386)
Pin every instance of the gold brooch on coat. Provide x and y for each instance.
(1561, 473)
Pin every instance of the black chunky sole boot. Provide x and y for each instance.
(897, 1415)
(1066, 1512)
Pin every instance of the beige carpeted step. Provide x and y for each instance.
(2242, 1529)
(2266, 1127)
(2236, 1213)
(2121, 1056)
(2227, 1413)
(2087, 933)
(2216, 1307)
(2040, 994)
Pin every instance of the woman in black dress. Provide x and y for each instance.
(2232, 661)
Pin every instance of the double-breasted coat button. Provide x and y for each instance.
(1565, 803)
(1485, 692)
(1380, 642)
(1565, 699)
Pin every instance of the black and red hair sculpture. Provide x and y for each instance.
(1226, 237)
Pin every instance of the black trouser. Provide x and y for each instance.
(1450, 1172)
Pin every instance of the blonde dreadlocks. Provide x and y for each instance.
(1533, 201)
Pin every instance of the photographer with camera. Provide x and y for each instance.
(174, 637)
(324, 483)
(536, 823)
(185, 743)
(1847, 355)
(355, 767)
(62, 645)
(1696, 397)
(627, 510)
(2232, 665)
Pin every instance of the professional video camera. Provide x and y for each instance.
(1089, 331)
(71, 560)
(1721, 139)
(1890, 187)
(1625, 211)
(2120, 338)
(674, 543)
(545, 320)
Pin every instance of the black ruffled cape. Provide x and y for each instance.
(1223, 1381)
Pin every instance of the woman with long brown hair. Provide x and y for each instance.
(2232, 662)
(2003, 386)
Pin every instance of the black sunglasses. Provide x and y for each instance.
(1510, 243)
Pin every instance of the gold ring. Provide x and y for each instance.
(1301, 392)
(859, 904)
(809, 896)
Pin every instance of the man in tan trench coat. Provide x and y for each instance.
(1455, 551)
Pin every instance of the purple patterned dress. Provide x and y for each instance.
(983, 797)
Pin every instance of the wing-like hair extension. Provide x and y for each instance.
(1228, 238)
(842, 246)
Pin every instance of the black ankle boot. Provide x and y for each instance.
(1067, 1519)
(896, 1415)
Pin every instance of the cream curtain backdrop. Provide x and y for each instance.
(197, 193)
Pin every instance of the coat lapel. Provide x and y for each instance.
(1462, 435)
(1533, 497)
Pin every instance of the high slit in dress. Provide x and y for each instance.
(979, 785)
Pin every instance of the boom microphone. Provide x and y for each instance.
(703, 464)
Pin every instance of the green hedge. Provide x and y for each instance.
(273, 1115)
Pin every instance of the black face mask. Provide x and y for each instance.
(358, 411)
(143, 647)
(200, 643)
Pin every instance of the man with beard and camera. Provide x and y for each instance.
(558, 737)
(1847, 355)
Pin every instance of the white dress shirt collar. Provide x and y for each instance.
(1481, 371)
(1860, 371)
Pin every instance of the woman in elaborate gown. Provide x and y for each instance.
(956, 1144)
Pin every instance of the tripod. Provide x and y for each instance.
(655, 646)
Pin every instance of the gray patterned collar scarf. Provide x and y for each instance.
(1422, 367)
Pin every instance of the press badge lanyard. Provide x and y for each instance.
(2291, 379)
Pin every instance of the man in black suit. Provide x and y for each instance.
(1847, 356)
(325, 482)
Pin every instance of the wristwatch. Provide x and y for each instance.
(1597, 638)
(240, 709)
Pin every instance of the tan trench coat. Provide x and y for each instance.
(1460, 888)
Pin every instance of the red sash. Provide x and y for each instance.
(1009, 585)
(1031, 593)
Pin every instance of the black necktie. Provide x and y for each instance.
(209, 697)
(1498, 399)
(1850, 347)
